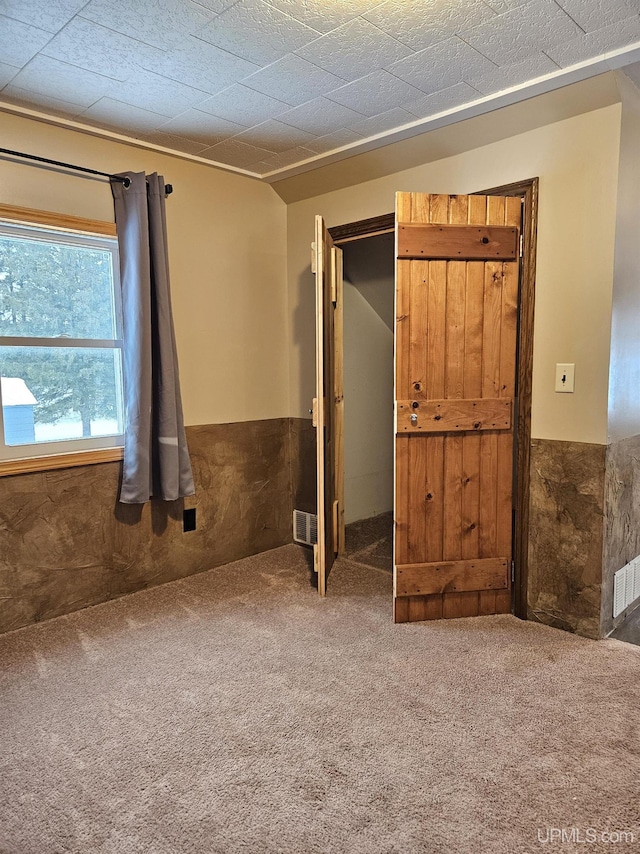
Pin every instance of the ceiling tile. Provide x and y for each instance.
(512, 37)
(502, 6)
(286, 158)
(275, 136)
(201, 65)
(158, 94)
(354, 49)
(235, 153)
(177, 143)
(51, 15)
(595, 14)
(56, 106)
(331, 141)
(121, 117)
(60, 80)
(201, 127)
(445, 99)
(593, 44)
(257, 32)
(384, 122)
(7, 73)
(161, 23)
(375, 93)
(20, 42)
(441, 66)
(293, 80)
(99, 49)
(216, 6)
(429, 22)
(495, 79)
(243, 105)
(320, 116)
(321, 15)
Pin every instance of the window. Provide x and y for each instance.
(60, 339)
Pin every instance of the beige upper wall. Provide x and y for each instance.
(368, 407)
(577, 163)
(227, 250)
(624, 373)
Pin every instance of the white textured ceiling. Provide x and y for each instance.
(264, 85)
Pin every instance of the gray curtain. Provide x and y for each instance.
(156, 458)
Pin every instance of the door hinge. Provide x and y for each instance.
(314, 412)
(313, 257)
(513, 570)
(336, 516)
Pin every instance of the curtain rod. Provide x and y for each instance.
(168, 188)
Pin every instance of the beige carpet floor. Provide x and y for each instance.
(235, 711)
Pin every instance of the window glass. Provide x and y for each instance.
(50, 394)
(60, 342)
(52, 289)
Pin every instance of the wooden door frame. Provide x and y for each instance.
(528, 192)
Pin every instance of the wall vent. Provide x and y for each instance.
(626, 586)
(305, 528)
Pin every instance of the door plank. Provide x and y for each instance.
(456, 241)
(401, 514)
(474, 315)
(492, 316)
(436, 331)
(403, 326)
(417, 531)
(434, 496)
(490, 474)
(454, 390)
(456, 605)
(448, 576)
(430, 607)
(458, 415)
(438, 209)
(435, 386)
(418, 300)
(400, 610)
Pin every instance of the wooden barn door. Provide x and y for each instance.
(456, 339)
(328, 403)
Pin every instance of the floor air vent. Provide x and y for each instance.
(305, 528)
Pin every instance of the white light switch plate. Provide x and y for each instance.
(565, 377)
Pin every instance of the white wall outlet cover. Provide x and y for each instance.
(565, 377)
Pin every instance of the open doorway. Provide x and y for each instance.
(368, 399)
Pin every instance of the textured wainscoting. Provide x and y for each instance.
(566, 535)
(622, 520)
(65, 541)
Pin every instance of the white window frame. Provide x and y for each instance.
(56, 228)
